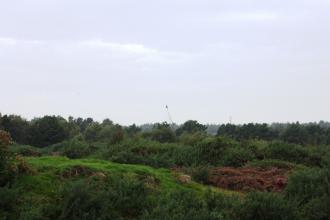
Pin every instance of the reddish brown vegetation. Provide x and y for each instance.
(5, 138)
(249, 178)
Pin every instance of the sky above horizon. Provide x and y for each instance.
(208, 60)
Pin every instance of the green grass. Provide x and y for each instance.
(48, 167)
(43, 188)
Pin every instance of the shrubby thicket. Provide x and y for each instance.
(164, 145)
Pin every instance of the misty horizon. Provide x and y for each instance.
(254, 61)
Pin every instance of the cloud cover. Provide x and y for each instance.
(208, 60)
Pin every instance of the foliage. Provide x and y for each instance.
(211, 150)
(16, 126)
(140, 151)
(109, 190)
(191, 127)
(162, 135)
(264, 206)
(8, 168)
(192, 139)
(271, 163)
(121, 199)
(247, 131)
(200, 174)
(311, 189)
(181, 205)
(47, 131)
(237, 156)
(76, 148)
(287, 152)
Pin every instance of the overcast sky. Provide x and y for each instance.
(254, 61)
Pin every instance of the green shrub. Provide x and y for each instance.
(112, 134)
(311, 189)
(237, 156)
(318, 155)
(8, 203)
(200, 174)
(161, 134)
(28, 152)
(256, 146)
(288, 152)
(185, 156)
(181, 205)
(211, 150)
(8, 166)
(187, 205)
(267, 206)
(271, 163)
(75, 148)
(192, 139)
(146, 152)
(121, 198)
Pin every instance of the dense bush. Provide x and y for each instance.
(27, 151)
(8, 167)
(190, 127)
(178, 205)
(47, 131)
(76, 148)
(118, 198)
(267, 206)
(237, 156)
(200, 174)
(211, 150)
(311, 189)
(141, 151)
(161, 132)
(8, 203)
(185, 156)
(271, 163)
(112, 134)
(288, 152)
(192, 139)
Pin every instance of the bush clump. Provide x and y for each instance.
(267, 206)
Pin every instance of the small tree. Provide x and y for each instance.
(191, 127)
(7, 159)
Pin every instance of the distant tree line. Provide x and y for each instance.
(304, 134)
(48, 130)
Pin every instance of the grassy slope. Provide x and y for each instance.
(44, 186)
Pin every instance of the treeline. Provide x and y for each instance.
(48, 130)
(304, 134)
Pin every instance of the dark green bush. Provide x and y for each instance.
(267, 206)
(180, 205)
(200, 174)
(288, 152)
(139, 151)
(8, 166)
(185, 156)
(8, 202)
(120, 198)
(161, 134)
(237, 156)
(185, 205)
(75, 148)
(311, 189)
(192, 139)
(211, 150)
(29, 152)
(271, 163)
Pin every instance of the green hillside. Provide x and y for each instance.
(41, 194)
